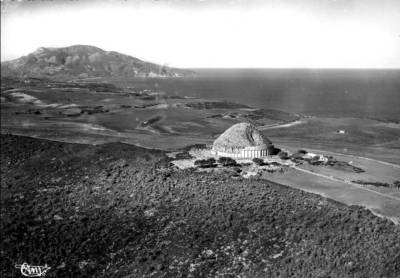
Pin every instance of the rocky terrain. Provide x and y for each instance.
(117, 210)
(83, 61)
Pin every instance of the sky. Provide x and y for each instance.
(213, 33)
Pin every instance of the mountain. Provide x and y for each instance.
(83, 61)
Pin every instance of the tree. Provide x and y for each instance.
(205, 163)
(283, 155)
(314, 160)
(275, 151)
(302, 152)
(297, 156)
(258, 161)
(183, 155)
(227, 161)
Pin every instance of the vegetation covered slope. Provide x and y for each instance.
(121, 211)
(81, 61)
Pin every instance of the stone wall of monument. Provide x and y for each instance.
(244, 153)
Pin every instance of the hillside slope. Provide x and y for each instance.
(116, 210)
(82, 61)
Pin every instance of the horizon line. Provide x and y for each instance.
(286, 68)
(213, 67)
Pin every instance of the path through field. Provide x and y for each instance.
(359, 157)
(347, 182)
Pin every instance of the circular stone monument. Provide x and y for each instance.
(242, 140)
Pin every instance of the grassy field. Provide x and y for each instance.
(387, 204)
(49, 108)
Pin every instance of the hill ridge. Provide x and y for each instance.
(83, 61)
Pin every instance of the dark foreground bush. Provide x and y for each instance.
(357, 169)
(396, 184)
(258, 161)
(183, 155)
(205, 163)
(274, 163)
(297, 156)
(283, 155)
(84, 218)
(275, 151)
(195, 146)
(227, 161)
(343, 165)
(377, 184)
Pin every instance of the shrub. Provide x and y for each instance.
(274, 163)
(227, 161)
(377, 184)
(396, 184)
(258, 161)
(331, 161)
(303, 152)
(205, 163)
(275, 151)
(297, 155)
(195, 146)
(358, 169)
(314, 160)
(183, 155)
(283, 155)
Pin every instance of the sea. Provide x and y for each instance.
(359, 93)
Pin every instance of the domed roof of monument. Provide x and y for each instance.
(240, 136)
